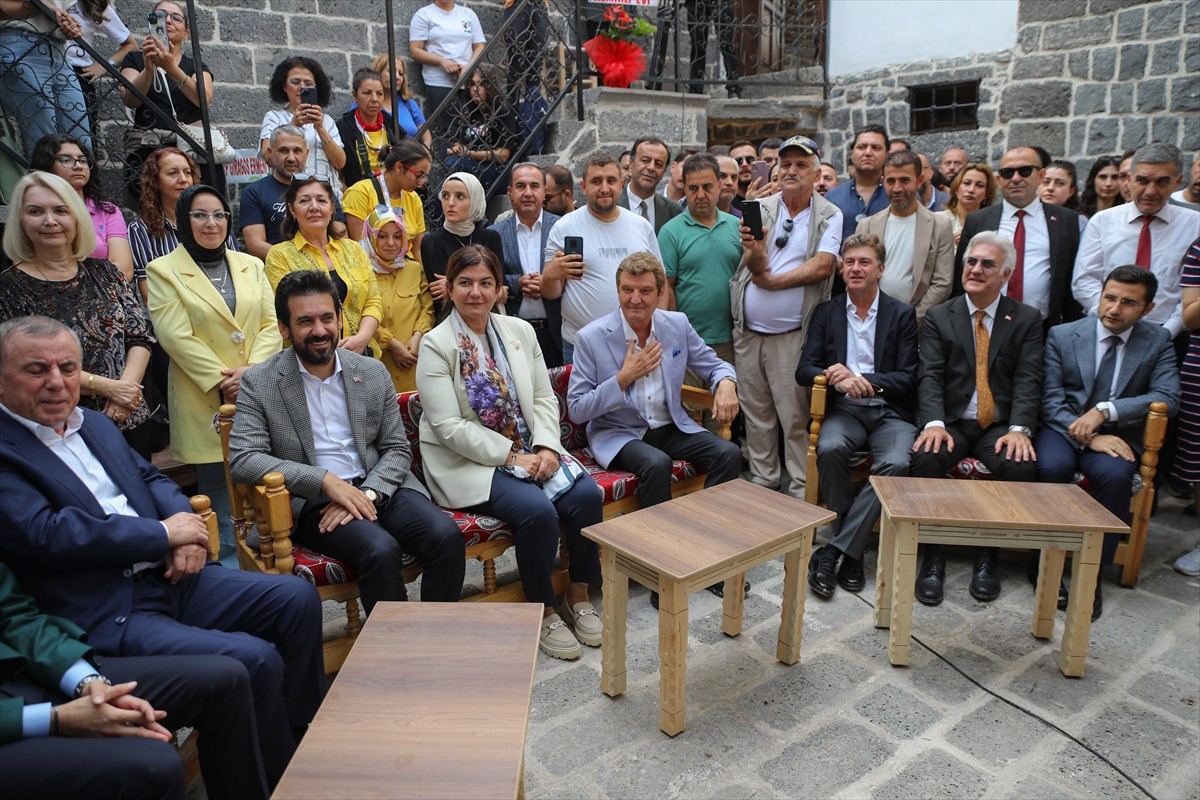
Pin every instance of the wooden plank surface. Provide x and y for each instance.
(709, 529)
(1033, 506)
(432, 702)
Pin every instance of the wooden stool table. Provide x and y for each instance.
(432, 702)
(690, 543)
(1051, 517)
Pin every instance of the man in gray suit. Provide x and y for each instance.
(651, 156)
(1102, 374)
(327, 419)
(523, 237)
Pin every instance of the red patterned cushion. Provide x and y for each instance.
(321, 570)
(410, 415)
(573, 434)
(477, 528)
(615, 484)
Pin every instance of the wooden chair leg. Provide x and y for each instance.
(489, 576)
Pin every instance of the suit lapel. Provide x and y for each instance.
(1001, 328)
(923, 232)
(1085, 354)
(291, 391)
(840, 328)
(883, 327)
(356, 405)
(616, 339)
(1135, 352)
(27, 446)
(964, 326)
(199, 284)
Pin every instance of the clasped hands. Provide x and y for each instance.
(540, 464)
(346, 504)
(843, 379)
(1083, 431)
(105, 710)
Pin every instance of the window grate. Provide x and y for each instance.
(944, 107)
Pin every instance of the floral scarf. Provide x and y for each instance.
(487, 378)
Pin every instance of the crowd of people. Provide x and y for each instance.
(954, 307)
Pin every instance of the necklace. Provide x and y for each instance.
(212, 276)
(458, 239)
(46, 277)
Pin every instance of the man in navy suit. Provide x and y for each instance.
(523, 237)
(651, 156)
(975, 400)
(865, 343)
(97, 535)
(1102, 374)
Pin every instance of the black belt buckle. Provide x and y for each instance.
(538, 324)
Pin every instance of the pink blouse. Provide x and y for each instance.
(108, 224)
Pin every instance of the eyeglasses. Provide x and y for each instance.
(174, 16)
(73, 161)
(420, 176)
(301, 82)
(1024, 171)
(745, 159)
(301, 177)
(782, 240)
(974, 261)
(202, 217)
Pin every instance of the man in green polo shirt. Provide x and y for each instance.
(701, 249)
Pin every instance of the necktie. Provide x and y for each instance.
(1143, 251)
(1102, 388)
(645, 212)
(986, 406)
(1016, 281)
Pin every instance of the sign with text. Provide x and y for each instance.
(246, 167)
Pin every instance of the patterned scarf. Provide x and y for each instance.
(487, 378)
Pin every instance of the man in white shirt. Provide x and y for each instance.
(327, 419)
(1189, 195)
(920, 244)
(785, 273)
(587, 283)
(1147, 231)
(650, 159)
(523, 236)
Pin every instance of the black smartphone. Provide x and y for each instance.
(573, 245)
(157, 27)
(752, 218)
(309, 95)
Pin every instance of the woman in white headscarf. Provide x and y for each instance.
(407, 304)
(463, 207)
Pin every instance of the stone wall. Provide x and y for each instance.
(1087, 78)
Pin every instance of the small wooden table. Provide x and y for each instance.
(690, 543)
(432, 701)
(1051, 517)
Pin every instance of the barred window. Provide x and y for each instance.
(944, 107)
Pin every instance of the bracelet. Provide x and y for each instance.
(184, 80)
(54, 720)
(92, 383)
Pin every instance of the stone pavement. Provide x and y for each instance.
(988, 716)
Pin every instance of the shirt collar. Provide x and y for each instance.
(1103, 333)
(337, 368)
(853, 309)
(1133, 215)
(1034, 209)
(45, 433)
(631, 335)
(537, 223)
(990, 311)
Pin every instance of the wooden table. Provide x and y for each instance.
(432, 702)
(1054, 518)
(690, 543)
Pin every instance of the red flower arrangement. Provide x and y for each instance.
(617, 57)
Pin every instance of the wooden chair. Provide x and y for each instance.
(1132, 547)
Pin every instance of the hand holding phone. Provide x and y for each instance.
(752, 218)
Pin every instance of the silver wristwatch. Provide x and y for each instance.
(1105, 409)
(1020, 429)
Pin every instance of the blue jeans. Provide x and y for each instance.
(39, 90)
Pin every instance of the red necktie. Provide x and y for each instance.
(1016, 281)
(1143, 251)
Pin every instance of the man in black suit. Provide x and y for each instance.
(974, 400)
(1046, 238)
(651, 156)
(523, 237)
(865, 344)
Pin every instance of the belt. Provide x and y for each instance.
(780, 333)
(539, 324)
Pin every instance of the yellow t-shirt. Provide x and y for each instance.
(360, 200)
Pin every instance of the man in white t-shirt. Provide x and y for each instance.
(919, 243)
(444, 38)
(783, 277)
(587, 283)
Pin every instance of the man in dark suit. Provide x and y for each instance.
(1102, 374)
(651, 156)
(1046, 238)
(96, 534)
(975, 400)
(52, 687)
(523, 237)
(865, 344)
(327, 420)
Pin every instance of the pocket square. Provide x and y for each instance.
(675, 353)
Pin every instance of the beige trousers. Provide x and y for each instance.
(771, 399)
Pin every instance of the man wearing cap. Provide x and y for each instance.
(786, 271)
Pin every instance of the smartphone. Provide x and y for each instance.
(157, 27)
(573, 245)
(309, 95)
(760, 171)
(752, 218)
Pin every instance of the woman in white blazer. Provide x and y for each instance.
(490, 444)
(213, 311)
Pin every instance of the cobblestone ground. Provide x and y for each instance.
(982, 711)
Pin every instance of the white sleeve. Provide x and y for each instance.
(418, 29)
(1089, 268)
(478, 38)
(831, 241)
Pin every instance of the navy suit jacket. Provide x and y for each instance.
(65, 551)
(946, 376)
(511, 258)
(1148, 375)
(895, 375)
(665, 209)
(1062, 224)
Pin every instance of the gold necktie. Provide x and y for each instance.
(986, 406)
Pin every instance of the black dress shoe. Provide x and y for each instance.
(850, 574)
(654, 600)
(1063, 596)
(1097, 602)
(718, 589)
(985, 583)
(931, 578)
(822, 577)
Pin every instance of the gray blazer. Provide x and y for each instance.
(665, 209)
(272, 431)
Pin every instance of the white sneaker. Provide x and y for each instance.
(1189, 563)
(583, 618)
(556, 640)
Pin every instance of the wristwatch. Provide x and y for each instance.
(1020, 429)
(1105, 409)
(378, 500)
(90, 679)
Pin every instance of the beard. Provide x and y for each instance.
(315, 358)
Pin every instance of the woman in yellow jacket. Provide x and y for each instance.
(407, 303)
(214, 314)
(310, 242)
